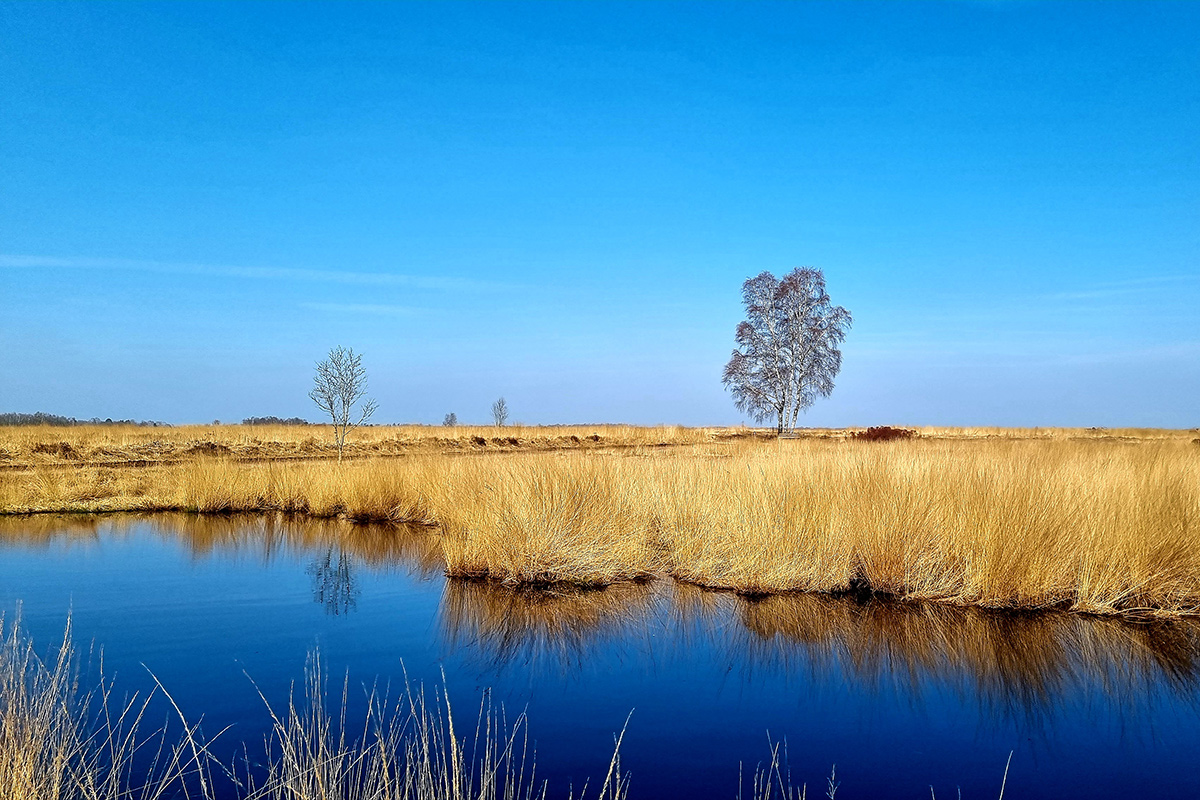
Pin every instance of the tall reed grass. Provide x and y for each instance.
(1088, 525)
(530, 521)
(61, 742)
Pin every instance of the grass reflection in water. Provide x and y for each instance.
(1013, 664)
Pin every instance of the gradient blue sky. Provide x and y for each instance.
(558, 204)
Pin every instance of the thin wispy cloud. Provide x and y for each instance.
(351, 277)
(1175, 352)
(1125, 288)
(1051, 352)
(377, 309)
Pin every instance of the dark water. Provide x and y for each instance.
(898, 697)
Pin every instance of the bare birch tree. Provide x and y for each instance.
(450, 420)
(500, 412)
(339, 385)
(788, 346)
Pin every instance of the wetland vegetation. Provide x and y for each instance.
(531, 212)
(61, 740)
(1103, 522)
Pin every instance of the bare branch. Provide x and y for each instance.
(500, 412)
(339, 384)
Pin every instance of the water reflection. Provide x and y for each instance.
(540, 628)
(1028, 666)
(266, 537)
(334, 583)
(1025, 666)
(1014, 664)
(43, 529)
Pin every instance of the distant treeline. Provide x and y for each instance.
(275, 421)
(42, 418)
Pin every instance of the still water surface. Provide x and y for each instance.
(898, 697)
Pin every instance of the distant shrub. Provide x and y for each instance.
(13, 419)
(883, 433)
(275, 421)
(40, 418)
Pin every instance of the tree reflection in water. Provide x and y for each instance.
(334, 584)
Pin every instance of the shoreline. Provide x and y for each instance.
(860, 595)
(1091, 526)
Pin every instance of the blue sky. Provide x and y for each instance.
(558, 204)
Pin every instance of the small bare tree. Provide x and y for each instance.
(340, 384)
(787, 354)
(450, 420)
(500, 412)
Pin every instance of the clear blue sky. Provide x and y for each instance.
(558, 204)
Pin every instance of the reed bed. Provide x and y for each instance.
(1092, 525)
(1089, 527)
(575, 520)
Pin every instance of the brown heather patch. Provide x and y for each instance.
(883, 433)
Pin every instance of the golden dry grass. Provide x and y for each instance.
(39, 734)
(117, 445)
(530, 520)
(61, 741)
(1091, 526)
(1099, 524)
(58, 742)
